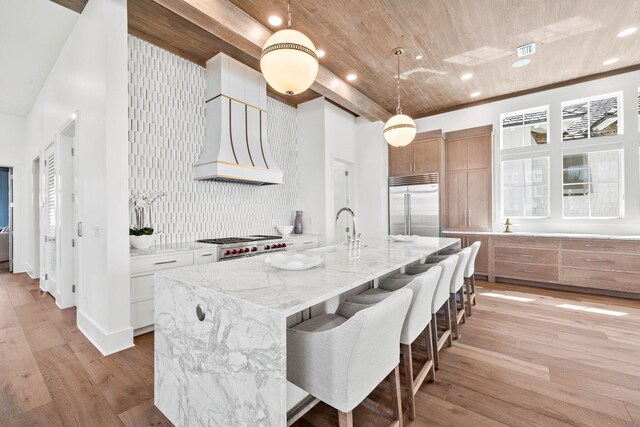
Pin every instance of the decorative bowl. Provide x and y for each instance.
(285, 230)
(142, 242)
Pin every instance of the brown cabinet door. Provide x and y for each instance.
(457, 200)
(426, 156)
(456, 153)
(479, 151)
(479, 200)
(400, 160)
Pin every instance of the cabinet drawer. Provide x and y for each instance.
(161, 262)
(605, 280)
(141, 288)
(601, 261)
(533, 272)
(302, 244)
(527, 255)
(207, 256)
(601, 245)
(142, 314)
(524, 241)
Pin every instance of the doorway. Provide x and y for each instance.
(342, 176)
(6, 218)
(60, 213)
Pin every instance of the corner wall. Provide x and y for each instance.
(90, 79)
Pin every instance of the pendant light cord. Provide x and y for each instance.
(398, 108)
(289, 14)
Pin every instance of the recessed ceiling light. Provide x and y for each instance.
(320, 53)
(418, 57)
(275, 20)
(610, 61)
(351, 77)
(475, 94)
(521, 63)
(627, 32)
(466, 76)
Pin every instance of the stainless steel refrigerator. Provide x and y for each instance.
(414, 205)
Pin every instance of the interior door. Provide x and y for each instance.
(457, 200)
(479, 200)
(424, 210)
(50, 229)
(398, 197)
(11, 219)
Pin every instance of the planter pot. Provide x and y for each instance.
(142, 242)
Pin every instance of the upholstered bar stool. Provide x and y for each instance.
(469, 273)
(440, 302)
(415, 324)
(341, 358)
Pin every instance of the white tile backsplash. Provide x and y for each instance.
(166, 132)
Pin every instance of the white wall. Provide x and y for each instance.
(490, 114)
(13, 145)
(325, 132)
(90, 78)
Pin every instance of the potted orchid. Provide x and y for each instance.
(142, 236)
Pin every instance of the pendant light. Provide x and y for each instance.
(399, 129)
(289, 61)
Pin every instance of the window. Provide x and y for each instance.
(525, 188)
(592, 184)
(524, 128)
(591, 118)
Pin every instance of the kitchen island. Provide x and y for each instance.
(220, 340)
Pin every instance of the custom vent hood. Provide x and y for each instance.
(236, 146)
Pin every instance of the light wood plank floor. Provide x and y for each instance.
(534, 358)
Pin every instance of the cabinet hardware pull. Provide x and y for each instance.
(523, 270)
(165, 262)
(200, 313)
(597, 260)
(525, 255)
(609, 248)
(602, 279)
(206, 254)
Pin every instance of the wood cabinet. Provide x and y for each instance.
(468, 183)
(423, 155)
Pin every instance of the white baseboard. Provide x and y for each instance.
(106, 342)
(22, 268)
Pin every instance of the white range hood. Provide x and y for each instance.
(236, 146)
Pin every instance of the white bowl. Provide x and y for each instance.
(285, 230)
(402, 238)
(293, 262)
(142, 242)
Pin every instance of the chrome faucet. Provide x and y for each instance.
(354, 240)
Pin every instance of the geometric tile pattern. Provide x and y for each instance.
(166, 133)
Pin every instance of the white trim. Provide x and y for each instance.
(106, 342)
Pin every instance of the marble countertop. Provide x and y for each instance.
(170, 248)
(556, 235)
(288, 292)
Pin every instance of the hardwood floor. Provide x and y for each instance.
(527, 357)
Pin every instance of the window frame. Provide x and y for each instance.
(523, 112)
(619, 94)
(619, 147)
(527, 156)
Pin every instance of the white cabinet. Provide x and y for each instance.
(141, 283)
(304, 241)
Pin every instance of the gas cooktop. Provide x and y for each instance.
(233, 240)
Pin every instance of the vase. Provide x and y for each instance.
(297, 223)
(142, 242)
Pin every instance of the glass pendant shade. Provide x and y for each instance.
(399, 130)
(289, 62)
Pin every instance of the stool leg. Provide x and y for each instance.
(407, 359)
(463, 306)
(434, 340)
(394, 379)
(468, 287)
(473, 288)
(428, 338)
(447, 315)
(453, 307)
(345, 419)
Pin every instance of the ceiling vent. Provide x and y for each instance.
(527, 49)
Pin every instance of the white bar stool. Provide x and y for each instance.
(341, 358)
(416, 323)
(440, 301)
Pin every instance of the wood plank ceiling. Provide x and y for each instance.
(454, 37)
